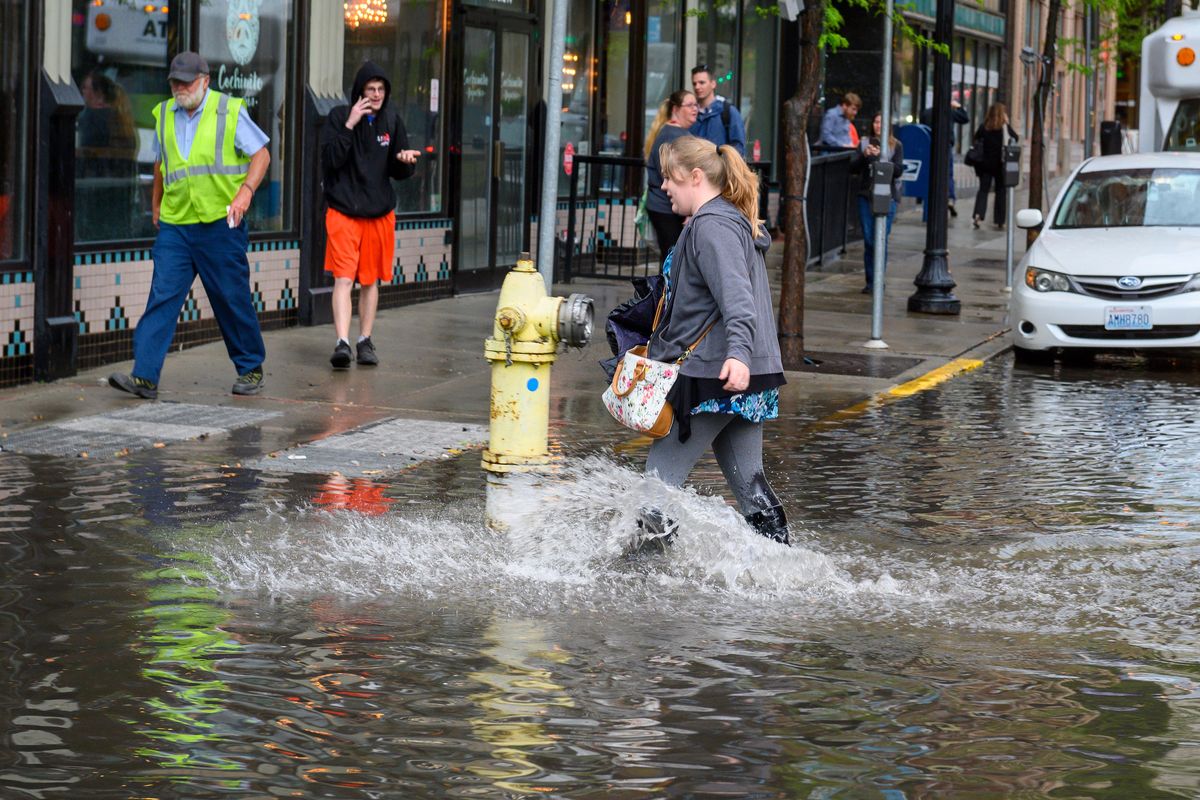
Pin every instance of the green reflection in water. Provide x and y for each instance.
(182, 644)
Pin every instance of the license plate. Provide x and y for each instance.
(1127, 318)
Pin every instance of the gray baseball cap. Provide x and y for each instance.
(186, 66)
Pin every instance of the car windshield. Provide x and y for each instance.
(1132, 198)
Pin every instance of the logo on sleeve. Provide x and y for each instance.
(384, 139)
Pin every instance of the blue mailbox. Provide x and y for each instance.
(916, 140)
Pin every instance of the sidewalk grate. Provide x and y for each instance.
(380, 448)
(130, 429)
(867, 365)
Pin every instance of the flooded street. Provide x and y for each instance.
(992, 593)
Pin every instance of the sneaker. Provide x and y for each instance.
(867, 289)
(140, 387)
(366, 353)
(341, 355)
(250, 383)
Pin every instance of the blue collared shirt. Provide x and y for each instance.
(835, 128)
(248, 137)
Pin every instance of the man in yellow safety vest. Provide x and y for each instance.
(210, 160)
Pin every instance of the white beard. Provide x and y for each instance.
(190, 101)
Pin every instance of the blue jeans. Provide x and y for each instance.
(217, 253)
(868, 227)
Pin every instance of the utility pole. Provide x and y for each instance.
(935, 287)
(547, 218)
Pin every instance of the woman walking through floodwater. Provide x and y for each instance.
(718, 293)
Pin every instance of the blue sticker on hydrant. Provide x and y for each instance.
(532, 384)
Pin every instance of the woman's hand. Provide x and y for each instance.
(735, 374)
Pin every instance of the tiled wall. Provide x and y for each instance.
(16, 327)
(422, 267)
(111, 289)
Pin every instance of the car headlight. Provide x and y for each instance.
(1043, 280)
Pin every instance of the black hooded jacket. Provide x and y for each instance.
(358, 163)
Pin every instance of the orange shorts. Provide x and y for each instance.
(360, 249)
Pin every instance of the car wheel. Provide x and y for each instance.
(1025, 356)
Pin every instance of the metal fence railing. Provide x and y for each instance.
(602, 239)
(832, 220)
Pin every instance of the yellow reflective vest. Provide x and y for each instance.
(199, 187)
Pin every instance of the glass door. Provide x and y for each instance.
(492, 213)
(475, 177)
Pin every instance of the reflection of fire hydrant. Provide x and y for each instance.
(529, 326)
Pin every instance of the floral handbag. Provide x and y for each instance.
(637, 396)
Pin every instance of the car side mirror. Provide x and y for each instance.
(1030, 218)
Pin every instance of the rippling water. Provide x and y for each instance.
(992, 594)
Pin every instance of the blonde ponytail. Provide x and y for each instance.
(722, 166)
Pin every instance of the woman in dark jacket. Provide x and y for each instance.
(991, 171)
(866, 155)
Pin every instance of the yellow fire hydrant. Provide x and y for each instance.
(529, 326)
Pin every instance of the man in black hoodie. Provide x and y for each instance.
(364, 145)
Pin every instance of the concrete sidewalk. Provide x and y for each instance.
(433, 367)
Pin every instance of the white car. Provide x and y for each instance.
(1117, 263)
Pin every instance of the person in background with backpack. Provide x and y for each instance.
(719, 121)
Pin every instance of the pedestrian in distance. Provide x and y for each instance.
(837, 126)
(210, 159)
(991, 169)
(364, 146)
(675, 116)
(719, 121)
(718, 294)
(959, 117)
(867, 154)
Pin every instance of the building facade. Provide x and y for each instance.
(79, 78)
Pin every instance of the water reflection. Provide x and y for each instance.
(993, 595)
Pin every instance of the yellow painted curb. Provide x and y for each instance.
(932, 378)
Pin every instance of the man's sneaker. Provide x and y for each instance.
(366, 353)
(135, 386)
(341, 355)
(250, 383)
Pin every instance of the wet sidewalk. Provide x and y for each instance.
(432, 369)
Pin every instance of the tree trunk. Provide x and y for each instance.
(1037, 139)
(796, 158)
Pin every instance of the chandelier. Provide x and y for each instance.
(365, 12)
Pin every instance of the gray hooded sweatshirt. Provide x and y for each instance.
(719, 274)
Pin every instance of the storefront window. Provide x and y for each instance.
(578, 85)
(663, 35)
(13, 120)
(716, 44)
(408, 42)
(759, 68)
(118, 61)
(617, 18)
(249, 46)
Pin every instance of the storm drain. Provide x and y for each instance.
(130, 429)
(380, 448)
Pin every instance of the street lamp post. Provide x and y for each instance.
(935, 293)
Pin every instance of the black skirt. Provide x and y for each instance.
(687, 393)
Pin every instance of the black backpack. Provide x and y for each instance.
(725, 115)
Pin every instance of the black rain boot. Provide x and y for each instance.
(771, 523)
(655, 532)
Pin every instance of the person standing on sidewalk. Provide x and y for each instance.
(866, 155)
(718, 307)
(991, 170)
(364, 146)
(718, 121)
(837, 126)
(210, 159)
(675, 115)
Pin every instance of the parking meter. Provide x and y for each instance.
(1012, 164)
(881, 173)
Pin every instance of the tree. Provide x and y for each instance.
(820, 28)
